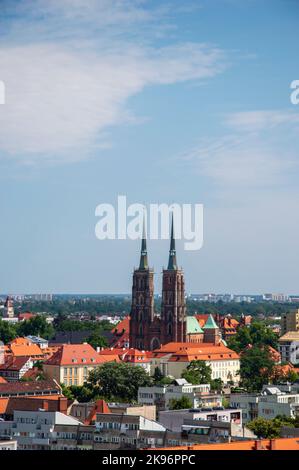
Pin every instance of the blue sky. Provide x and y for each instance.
(160, 101)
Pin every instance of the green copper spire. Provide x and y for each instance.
(172, 264)
(143, 256)
(210, 323)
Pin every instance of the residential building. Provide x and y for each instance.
(8, 444)
(86, 412)
(174, 419)
(173, 359)
(33, 429)
(47, 402)
(14, 368)
(161, 396)
(214, 431)
(116, 431)
(72, 363)
(41, 342)
(289, 347)
(135, 357)
(25, 347)
(30, 389)
(268, 404)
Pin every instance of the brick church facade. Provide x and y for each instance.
(149, 330)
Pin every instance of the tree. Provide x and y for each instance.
(67, 392)
(182, 403)
(198, 372)
(97, 341)
(216, 385)
(257, 334)
(270, 429)
(256, 368)
(7, 331)
(83, 393)
(118, 381)
(263, 428)
(158, 376)
(36, 326)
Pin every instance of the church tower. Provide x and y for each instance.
(142, 309)
(8, 311)
(173, 308)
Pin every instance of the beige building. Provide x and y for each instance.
(290, 321)
(71, 364)
(173, 358)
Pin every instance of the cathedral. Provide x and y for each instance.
(150, 330)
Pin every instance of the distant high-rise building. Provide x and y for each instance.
(290, 321)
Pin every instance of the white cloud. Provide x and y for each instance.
(63, 95)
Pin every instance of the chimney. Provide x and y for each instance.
(45, 405)
(257, 445)
(272, 444)
(62, 405)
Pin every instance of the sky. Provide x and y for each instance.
(160, 101)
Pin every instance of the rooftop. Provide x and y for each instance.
(77, 354)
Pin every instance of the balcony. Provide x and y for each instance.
(40, 441)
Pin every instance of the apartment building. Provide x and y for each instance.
(161, 396)
(33, 429)
(268, 404)
(174, 419)
(289, 347)
(116, 431)
(8, 444)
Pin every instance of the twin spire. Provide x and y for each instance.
(172, 263)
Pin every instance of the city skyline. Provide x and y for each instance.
(164, 104)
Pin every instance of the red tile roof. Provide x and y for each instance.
(51, 403)
(121, 333)
(77, 354)
(135, 356)
(263, 444)
(185, 352)
(26, 316)
(30, 388)
(24, 347)
(202, 318)
(122, 326)
(14, 363)
(100, 406)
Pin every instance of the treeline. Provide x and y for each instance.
(38, 326)
(121, 305)
(236, 309)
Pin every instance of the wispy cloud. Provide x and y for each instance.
(70, 68)
(261, 152)
(256, 121)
